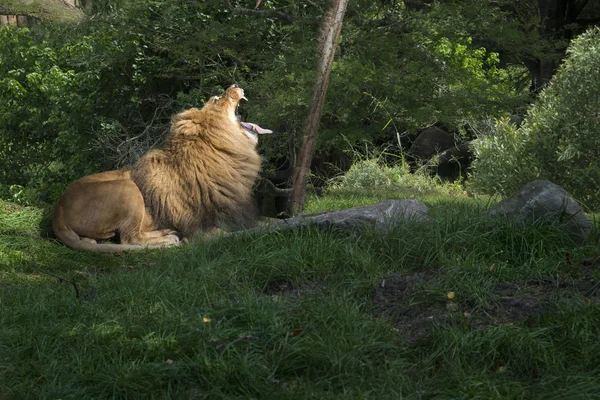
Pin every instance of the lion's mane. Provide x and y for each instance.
(202, 177)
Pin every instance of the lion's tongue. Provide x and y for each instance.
(255, 128)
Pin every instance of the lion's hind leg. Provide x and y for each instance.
(136, 226)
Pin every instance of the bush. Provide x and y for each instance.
(373, 173)
(369, 173)
(80, 99)
(560, 137)
(42, 133)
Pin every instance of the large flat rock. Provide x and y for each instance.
(381, 215)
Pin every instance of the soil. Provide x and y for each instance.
(415, 310)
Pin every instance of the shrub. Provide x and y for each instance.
(373, 173)
(369, 173)
(560, 137)
(42, 133)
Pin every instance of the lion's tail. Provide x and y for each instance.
(69, 237)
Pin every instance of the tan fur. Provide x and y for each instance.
(100, 206)
(200, 180)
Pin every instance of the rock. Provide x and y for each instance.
(380, 214)
(383, 215)
(541, 199)
(431, 141)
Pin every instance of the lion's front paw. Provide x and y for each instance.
(171, 240)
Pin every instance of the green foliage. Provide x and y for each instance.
(375, 171)
(370, 173)
(503, 160)
(41, 104)
(79, 99)
(405, 73)
(560, 137)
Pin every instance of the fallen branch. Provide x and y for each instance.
(247, 337)
(60, 278)
(78, 295)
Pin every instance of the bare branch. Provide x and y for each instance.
(259, 13)
(60, 278)
(89, 296)
(241, 338)
(270, 188)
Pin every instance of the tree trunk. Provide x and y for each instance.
(332, 26)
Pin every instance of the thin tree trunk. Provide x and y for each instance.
(332, 26)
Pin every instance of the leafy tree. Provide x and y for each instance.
(560, 137)
(41, 105)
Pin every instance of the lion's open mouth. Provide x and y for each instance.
(252, 130)
(236, 93)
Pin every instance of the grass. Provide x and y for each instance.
(300, 315)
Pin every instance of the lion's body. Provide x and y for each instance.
(201, 178)
(101, 206)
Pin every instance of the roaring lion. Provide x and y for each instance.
(200, 181)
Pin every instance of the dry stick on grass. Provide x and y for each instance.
(247, 337)
(88, 296)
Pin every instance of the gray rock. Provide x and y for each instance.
(543, 200)
(381, 214)
(384, 215)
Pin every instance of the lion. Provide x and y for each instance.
(200, 181)
(202, 178)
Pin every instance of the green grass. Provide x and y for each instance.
(294, 315)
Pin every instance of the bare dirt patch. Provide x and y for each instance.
(415, 309)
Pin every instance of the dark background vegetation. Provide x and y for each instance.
(77, 98)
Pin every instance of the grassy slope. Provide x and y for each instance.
(293, 315)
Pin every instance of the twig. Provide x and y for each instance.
(273, 190)
(90, 295)
(263, 13)
(247, 337)
(77, 293)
